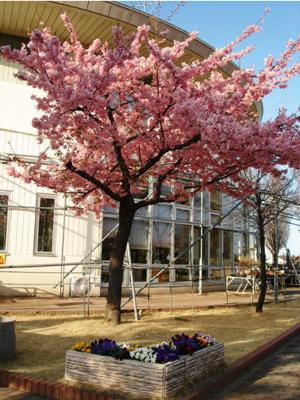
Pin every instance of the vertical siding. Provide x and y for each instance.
(7, 72)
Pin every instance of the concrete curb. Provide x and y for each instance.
(243, 364)
(57, 391)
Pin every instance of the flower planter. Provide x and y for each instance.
(141, 379)
(7, 338)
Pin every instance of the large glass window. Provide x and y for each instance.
(216, 247)
(138, 242)
(227, 247)
(45, 225)
(3, 220)
(182, 241)
(161, 243)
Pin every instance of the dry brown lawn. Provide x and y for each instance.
(42, 339)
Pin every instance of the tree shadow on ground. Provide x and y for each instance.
(43, 339)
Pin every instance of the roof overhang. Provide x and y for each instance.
(93, 19)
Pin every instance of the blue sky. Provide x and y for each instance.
(219, 22)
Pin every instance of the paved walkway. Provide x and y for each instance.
(12, 394)
(275, 378)
(155, 302)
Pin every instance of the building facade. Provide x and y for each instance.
(38, 229)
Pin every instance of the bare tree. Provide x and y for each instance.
(277, 236)
(272, 196)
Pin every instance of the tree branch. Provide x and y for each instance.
(92, 179)
(157, 198)
(153, 160)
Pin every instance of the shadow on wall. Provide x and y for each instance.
(23, 291)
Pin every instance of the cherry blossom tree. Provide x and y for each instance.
(115, 115)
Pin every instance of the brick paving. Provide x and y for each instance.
(13, 394)
(275, 378)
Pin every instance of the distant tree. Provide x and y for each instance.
(272, 196)
(277, 235)
(114, 116)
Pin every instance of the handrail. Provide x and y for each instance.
(15, 266)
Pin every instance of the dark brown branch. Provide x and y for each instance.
(157, 197)
(131, 138)
(93, 180)
(84, 110)
(153, 160)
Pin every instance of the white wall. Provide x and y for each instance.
(18, 136)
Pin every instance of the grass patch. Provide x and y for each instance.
(43, 339)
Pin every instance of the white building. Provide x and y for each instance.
(36, 225)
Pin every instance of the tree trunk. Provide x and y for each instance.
(263, 276)
(113, 303)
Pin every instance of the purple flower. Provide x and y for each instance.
(185, 345)
(164, 353)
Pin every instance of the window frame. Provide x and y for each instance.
(36, 226)
(6, 245)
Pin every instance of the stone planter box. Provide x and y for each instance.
(140, 379)
(7, 338)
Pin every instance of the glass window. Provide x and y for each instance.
(162, 211)
(227, 247)
(142, 212)
(215, 219)
(163, 276)
(104, 274)
(138, 242)
(197, 200)
(161, 243)
(197, 215)
(108, 225)
(110, 210)
(182, 241)
(195, 273)
(183, 274)
(45, 225)
(216, 200)
(216, 247)
(197, 247)
(237, 247)
(253, 247)
(182, 215)
(245, 245)
(216, 274)
(139, 274)
(3, 220)
(166, 190)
